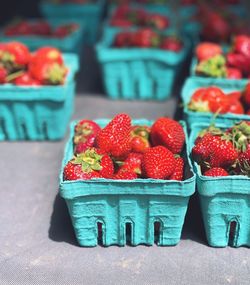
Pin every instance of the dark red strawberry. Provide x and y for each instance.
(93, 163)
(233, 73)
(26, 80)
(179, 169)
(122, 39)
(241, 45)
(140, 138)
(244, 161)
(146, 38)
(158, 163)
(132, 164)
(65, 30)
(120, 22)
(238, 61)
(115, 137)
(125, 175)
(216, 171)
(169, 133)
(207, 50)
(171, 44)
(3, 74)
(41, 28)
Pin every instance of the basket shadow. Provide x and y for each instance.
(193, 228)
(61, 229)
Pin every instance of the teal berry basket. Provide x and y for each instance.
(72, 43)
(139, 73)
(90, 14)
(225, 204)
(116, 205)
(192, 117)
(39, 112)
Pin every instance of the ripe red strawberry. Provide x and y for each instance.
(169, 133)
(233, 73)
(238, 61)
(15, 54)
(140, 138)
(207, 50)
(241, 45)
(216, 171)
(115, 137)
(122, 39)
(26, 80)
(125, 175)
(93, 163)
(210, 99)
(84, 129)
(234, 96)
(179, 169)
(132, 164)
(65, 30)
(3, 74)
(146, 38)
(50, 73)
(120, 22)
(246, 95)
(236, 108)
(47, 55)
(41, 28)
(171, 44)
(244, 161)
(158, 163)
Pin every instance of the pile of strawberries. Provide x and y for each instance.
(224, 152)
(147, 38)
(213, 99)
(21, 67)
(123, 151)
(125, 16)
(235, 64)
(39, 28)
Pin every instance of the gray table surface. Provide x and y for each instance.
(37, 242)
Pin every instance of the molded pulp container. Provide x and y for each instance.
(90, 14)
(139, 73)
(225, 204)
(38, 112)
(192, 117)
(116, 204)
(72, 43)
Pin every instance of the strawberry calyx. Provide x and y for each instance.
(240, 136)
(14, 75)
(55, 73)
(213, 67)
(90, 160)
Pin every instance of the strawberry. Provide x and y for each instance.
(246, 95)
(236, 108)
(92, 163)
(15, 55)
(216, 171)
(132, 164)
(233, 73)
(122, 39)
(234, 96)
(238, 61)
(123, 23)
(158, 163)
(41, 28)
(47, 55)
(26, 80)
(146, 38)
(65, 30)
(84, 129)
(140, 138)
(244, 161)
(169, 133)
(210, 99)
(241, 45)
(172, 44)
(207, 50)
(3, 74)
(125, 175)
(179, 169)
(50, 73)
(115, 137)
